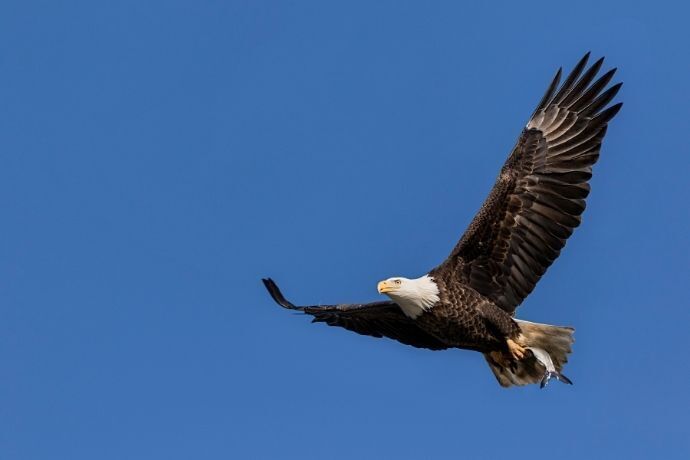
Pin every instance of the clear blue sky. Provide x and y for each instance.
(159, 159)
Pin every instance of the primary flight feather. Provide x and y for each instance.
(469, 300)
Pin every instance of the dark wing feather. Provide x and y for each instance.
(540, 192)
(376, 319)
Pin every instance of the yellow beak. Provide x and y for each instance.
(385, 286)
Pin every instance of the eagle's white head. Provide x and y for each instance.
(413, 296)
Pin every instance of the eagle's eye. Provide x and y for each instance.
(398, 281)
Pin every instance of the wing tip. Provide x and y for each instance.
(606, 115)
(276, 295)
(582, 63)
(583, 60)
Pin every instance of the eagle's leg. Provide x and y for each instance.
(503, 324)
(516, 350)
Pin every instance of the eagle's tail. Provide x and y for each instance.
(549, 347)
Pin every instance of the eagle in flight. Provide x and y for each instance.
(469, 300)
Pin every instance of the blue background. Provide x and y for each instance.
(159, 158)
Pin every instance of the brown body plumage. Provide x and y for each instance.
(469, 300)
(465, 319)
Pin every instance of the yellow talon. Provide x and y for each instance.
(516, 350)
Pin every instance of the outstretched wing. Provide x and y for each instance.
(540, 192)
(377, 319)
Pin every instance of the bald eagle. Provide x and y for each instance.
(469, 300)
